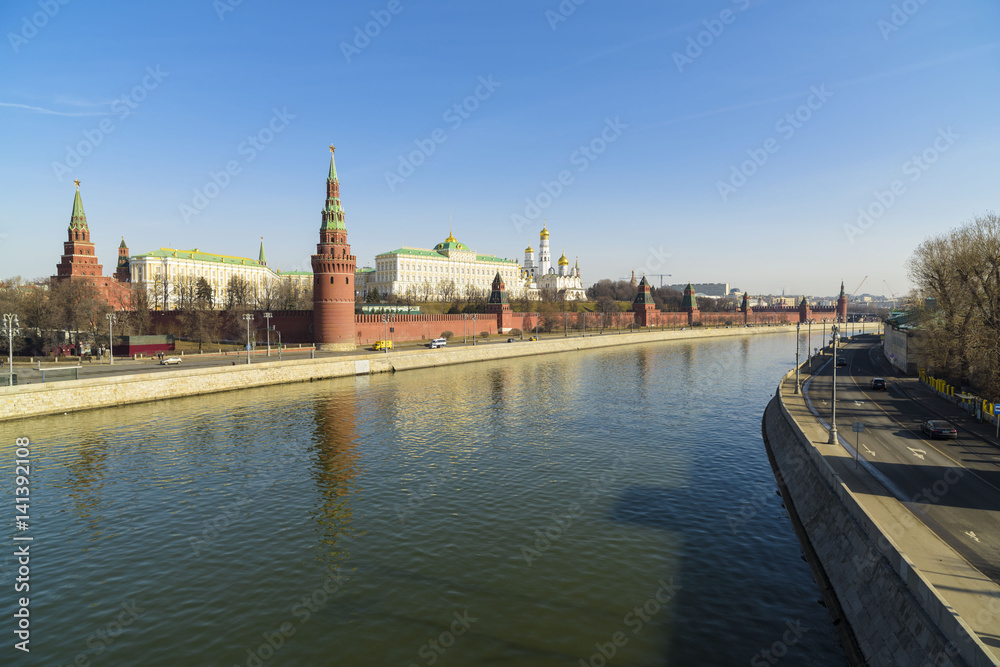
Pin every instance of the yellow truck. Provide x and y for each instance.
(382, 345)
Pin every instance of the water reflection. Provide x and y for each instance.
(336, 465)
(86, 480)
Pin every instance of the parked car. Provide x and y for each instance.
(878, 384)
(382, 345)
(170, 361)
(938, 428)
(511, 340)
(841, 362)
(533, 338)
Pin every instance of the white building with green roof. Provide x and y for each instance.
(451, 269)
(167, 272)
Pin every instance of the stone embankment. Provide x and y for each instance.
(867, 552)
(58, 397)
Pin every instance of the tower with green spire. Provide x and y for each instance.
(333, 274)
(123, 273)
(260, 258)
(79, 257)
(643, 305)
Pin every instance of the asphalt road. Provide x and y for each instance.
(952, 486)
(28, 373)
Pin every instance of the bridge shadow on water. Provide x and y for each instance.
(724, 612)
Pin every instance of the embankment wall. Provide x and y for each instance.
(894, 616)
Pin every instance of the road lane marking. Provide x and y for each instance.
(871, 454)
(972, 535)
(919, 453)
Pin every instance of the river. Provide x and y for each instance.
(611, 507)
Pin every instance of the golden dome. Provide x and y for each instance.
(529, 249)
(545, 234)
(450, 239)
(563, 261)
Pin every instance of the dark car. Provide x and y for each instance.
(938, 428)
(841, 362)
(878, 384)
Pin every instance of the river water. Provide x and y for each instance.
(606, 507)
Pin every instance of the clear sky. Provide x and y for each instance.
(714, 141)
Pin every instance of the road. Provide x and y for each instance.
(29, 374)
(952, 486)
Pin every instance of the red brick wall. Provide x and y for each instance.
(370, 328)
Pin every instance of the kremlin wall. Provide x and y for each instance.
(333, 324)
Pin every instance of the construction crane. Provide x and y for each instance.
(889, 287)
(857, 288)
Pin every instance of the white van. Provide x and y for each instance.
(438, 342)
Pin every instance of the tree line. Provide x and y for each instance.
(957, 304)
(48, 308)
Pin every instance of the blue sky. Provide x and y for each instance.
(715, 141)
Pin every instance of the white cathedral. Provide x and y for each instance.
(543, 275)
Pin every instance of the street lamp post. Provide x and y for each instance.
(111, 337)
(809, 345)
(833, 414)
(10, 327)
(279, 343)
(267, 319)
(473, 329)
(798, 328)
(249, 318)
(385, 333)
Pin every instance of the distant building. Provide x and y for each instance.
(705, 289)
(447, 270)
(168, 271)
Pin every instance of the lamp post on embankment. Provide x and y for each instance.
(809, 344)
(10, 327)
(267, 320)
(111, 338)
(833, 415)
(249, 318)
(798, 329)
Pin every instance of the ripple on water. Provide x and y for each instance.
(547, 498)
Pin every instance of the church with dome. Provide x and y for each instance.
(562, 280)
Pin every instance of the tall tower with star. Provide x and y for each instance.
(333, 274)
(79, 258)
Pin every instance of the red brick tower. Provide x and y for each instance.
(499, 305)
(747, 310)
(643, 306)
(333, 269)
(842, 304)
(123, 274)
(79, 258)
(690, 305)
(805, 312)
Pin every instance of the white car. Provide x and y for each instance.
(170, 361)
